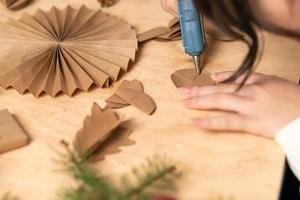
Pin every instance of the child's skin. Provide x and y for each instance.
(260, 107)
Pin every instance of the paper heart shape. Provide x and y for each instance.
(189, 78)
(64, 50)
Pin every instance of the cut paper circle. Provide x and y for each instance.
(15, 4)
(131, 93)
(102, 133)
(189, 78)
(64, 50)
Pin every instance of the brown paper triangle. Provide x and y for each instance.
(102, 134)
(64, 50)
(189, 78)
(12, 135)
(131, 93)
(15, 4)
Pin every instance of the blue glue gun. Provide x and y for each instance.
(192, 31)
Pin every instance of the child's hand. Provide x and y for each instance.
(262, 107)
(170, 6)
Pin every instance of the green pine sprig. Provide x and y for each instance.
(143, 183)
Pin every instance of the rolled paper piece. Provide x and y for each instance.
(12, 136)
(102, 133)
(15, 4)
(61, 51)
(189, 78)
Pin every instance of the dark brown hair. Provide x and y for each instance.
(233, 17)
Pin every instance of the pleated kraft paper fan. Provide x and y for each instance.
(64, 50)
(15, 4)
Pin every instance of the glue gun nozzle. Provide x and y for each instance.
(198, 62)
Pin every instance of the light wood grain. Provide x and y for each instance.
(245, 167)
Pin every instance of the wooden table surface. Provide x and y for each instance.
(214, 164)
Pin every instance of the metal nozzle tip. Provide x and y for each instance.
(198, 62)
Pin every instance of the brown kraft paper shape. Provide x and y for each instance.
(102, 133)
(131, 93)
(12, 135)
(64, 50)
(173, 32)
(106, 3)
(189, 78)
(15, 4)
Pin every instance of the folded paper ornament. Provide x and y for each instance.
(64, 50)
(131, 93)
(12, 135)
(102, 133)
(172, 32)
(189, 78)
(106, 3)
(15, 4)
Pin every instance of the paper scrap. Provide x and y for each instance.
(106, 3)
(60, 51)
(189, 78)
(131, 93)
(15, 4)
(12, 136)
(102, 133)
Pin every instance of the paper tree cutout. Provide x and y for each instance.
(172, 32)
(102, 133)
(15, 4)
(64, 50)
(131, 93)
(189, 78)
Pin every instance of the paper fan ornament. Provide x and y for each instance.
(64, 50)
(14, 4)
